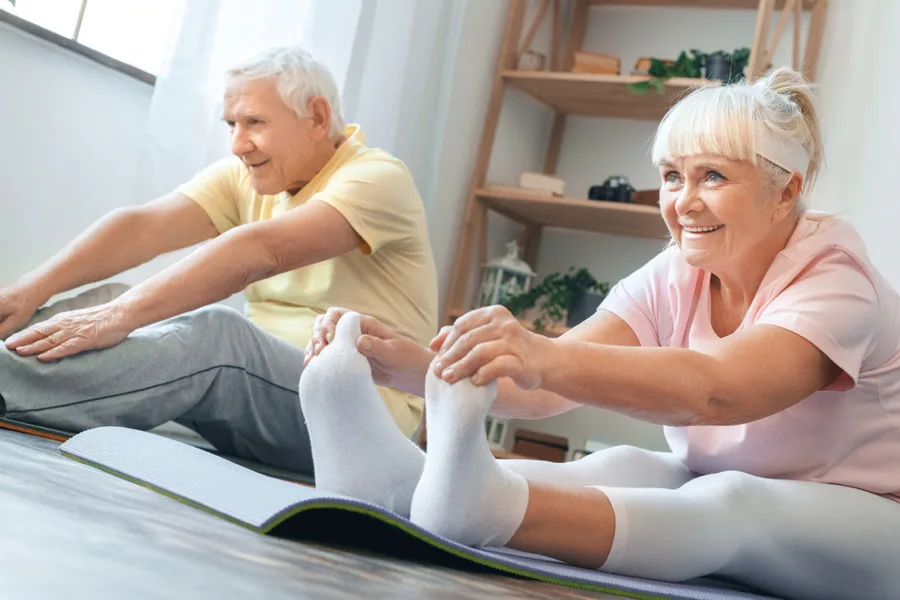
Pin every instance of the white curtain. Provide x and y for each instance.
(386, 56)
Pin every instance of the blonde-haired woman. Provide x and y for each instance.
(763, 339)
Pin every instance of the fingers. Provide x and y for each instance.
(329, 323)
(506, 365)
(70, 347)
(462, 346)
(475, 359)
(464, 324)
(375, 328)
(31, 335)
(43, 345)
(323, 332)
(438, 340)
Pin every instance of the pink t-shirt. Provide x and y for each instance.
(822, 287)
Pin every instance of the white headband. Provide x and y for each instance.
(784, 152)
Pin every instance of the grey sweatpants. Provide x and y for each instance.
(211, 370)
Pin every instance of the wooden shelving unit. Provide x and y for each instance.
(576, 214)
(599, 95)
(567, 93)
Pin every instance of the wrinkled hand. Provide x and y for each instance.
(70, 333)
(396, 361)
(17, 306)
(487, 344)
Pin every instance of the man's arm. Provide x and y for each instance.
(303, 236)
(121, 240)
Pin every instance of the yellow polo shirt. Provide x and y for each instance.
(391, 276)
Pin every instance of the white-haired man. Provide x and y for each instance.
(304, 216)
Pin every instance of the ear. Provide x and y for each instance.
(789, 198)
(319, 112)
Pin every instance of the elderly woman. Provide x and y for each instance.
(762, 338)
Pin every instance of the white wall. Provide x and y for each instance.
(860, 124)
(70, 146)
(71, 132)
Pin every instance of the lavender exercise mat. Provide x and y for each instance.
(281, 508)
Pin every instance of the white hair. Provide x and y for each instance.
(725, 120)
(300, 76)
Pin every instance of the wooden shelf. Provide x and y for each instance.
(744, 4)
(601, 95)
(504, 455)
(574, 213)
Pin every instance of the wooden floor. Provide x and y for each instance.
(71, 531)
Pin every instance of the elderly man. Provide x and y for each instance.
(303, 217)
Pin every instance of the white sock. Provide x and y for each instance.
(357, 448)
(464, 493)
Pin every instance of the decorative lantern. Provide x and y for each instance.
(505, 277)
(496, 430)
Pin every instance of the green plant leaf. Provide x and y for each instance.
(641, 87)
(658, 84)
(658, 68)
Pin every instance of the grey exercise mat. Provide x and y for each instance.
(273, 506)
(60, 435)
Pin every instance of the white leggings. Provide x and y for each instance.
(794, 539)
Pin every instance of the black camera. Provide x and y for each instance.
(615, 189)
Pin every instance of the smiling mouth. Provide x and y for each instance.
(257, 165)
(711, 229)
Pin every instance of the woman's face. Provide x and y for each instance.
(719, 211)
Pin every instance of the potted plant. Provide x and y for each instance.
(724, 66)
(727, 67)
(575, 295)
(684, 66)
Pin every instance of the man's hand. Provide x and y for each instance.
(17, 306)
(396, 361)
(70, 333)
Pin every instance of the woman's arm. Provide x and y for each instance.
(401, 363)
(745, 377)
(515, 403)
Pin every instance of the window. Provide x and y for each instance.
(134, 33)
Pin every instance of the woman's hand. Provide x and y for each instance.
(489, 343)
(73, 332)
(396, 361)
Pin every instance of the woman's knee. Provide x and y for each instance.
(732, 492)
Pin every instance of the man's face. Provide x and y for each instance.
(277, 145)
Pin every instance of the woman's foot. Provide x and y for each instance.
(464, 494)
(357, 448)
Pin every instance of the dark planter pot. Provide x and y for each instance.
(582, 307)
(718, 66)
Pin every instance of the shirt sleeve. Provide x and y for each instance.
(215, 189)
(833, 304)
(638, 299)
(379, 200)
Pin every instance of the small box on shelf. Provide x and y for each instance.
(598, 64)
(543, 184)
(542, 446)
